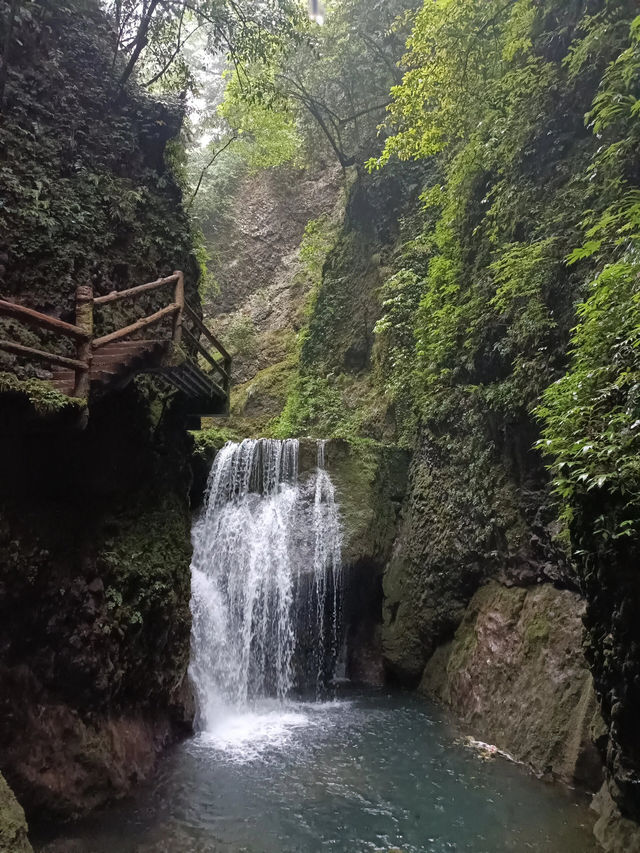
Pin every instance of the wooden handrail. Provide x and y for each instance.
(205, 331)
(206, 354)
(116, 295)
(134, 327)
(52, 357)
(186, 372)
(42, 321)
(178, 298)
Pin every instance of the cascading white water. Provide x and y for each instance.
(265, 577)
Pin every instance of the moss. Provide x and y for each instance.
(463, 647)
(144, 563)
(537, 631)
(209, 440)
(370, 482)
(88, 192)
(334, 393)
(260, 400)
(41, 394)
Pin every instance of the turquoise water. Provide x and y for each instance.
(372, 772)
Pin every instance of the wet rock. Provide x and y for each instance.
(471, 513)
(515, 676)
(615, 833)
(94, 605)
(65, 845)
(13, 826)
(263, 287)
(370, 481)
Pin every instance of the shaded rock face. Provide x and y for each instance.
(348, 304)
(609, 574)
(97, 161)
(370, 482)
(94, 601)
(516, 677)
(13, 826)
(474, 510)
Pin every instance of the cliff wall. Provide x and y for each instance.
(94, 522)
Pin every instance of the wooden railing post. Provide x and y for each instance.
(179, 301)
(227, 381)
(84, 320)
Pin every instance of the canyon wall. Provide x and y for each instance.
(94, 504)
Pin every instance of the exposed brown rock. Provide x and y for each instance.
(515, 676)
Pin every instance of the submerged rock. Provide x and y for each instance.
(516, 677)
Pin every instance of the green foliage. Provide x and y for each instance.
(325, 85)
(497, 93)
(241, 336)
(464, 58)
(318, 239)
(395, 354)
(145, 563)
(591, 415)
(487, 96)
(42, 395)
(316, 407)
(266, 137)
(84, 177)
(207, 284)
(154, 38)
(338, 80)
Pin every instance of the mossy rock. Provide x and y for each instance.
(515, 676)
(13, 825)
(370, 481)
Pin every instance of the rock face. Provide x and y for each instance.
(472, 512)
(95, 522)
(13, 826)
(615, 833)
(263, 283)
(516, 677)
(94, 601)
(612, 643)
(370, 482)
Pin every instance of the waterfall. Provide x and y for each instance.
(265, 578)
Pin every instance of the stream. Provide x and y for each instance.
(341, 769)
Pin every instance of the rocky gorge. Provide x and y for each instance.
(416, 312)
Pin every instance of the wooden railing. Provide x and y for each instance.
(79, 333)
(86, 344)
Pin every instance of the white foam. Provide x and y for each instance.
(245, 735)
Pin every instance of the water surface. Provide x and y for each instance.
(369, 772)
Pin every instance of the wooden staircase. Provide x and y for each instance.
(200, 371)
(113, 365)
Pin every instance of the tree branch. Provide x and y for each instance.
(206, 169)
(173, 56)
